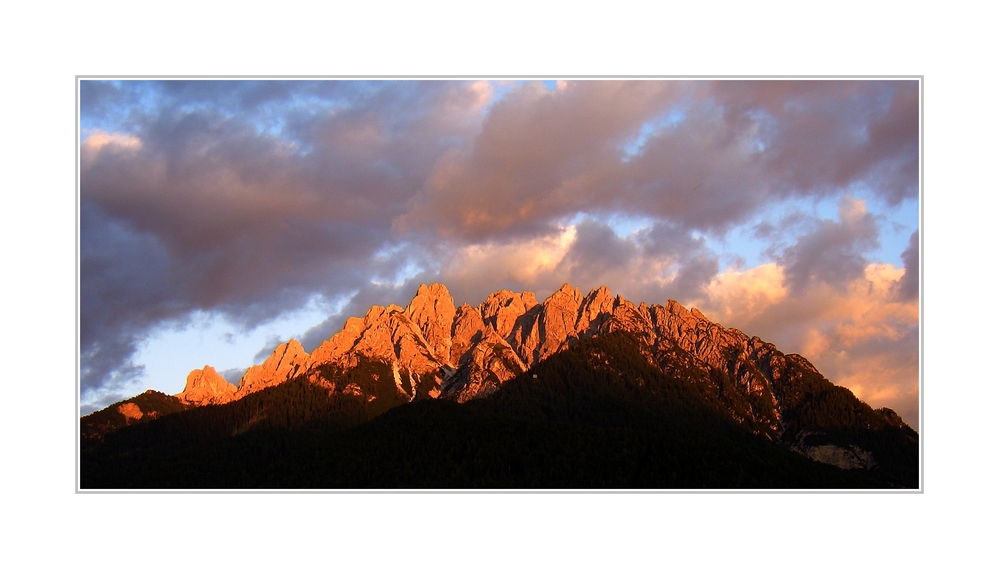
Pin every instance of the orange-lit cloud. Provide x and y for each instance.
(99, 140)
(247, 198)
(860, 336)
(526, 264)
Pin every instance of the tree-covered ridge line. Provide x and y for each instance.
(596, 415)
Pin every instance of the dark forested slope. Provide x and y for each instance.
(596, 415)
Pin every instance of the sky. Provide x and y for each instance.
(219, 218)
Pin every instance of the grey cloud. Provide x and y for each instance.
(313, 337)
(125, 287)
(908, 285)
(211, 214)
(249, 198)
(233, 375)
(833, 252)
(627, 265)
(695, 274)
(539, 157)
(735, 147)
(823, 135)
(695, 263)
(271, 343)
(764, 230)
(597, 253)
(692, 175)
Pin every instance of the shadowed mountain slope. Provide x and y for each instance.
(659, 373)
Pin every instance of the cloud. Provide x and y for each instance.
(473, 271)
(125, 287)
(270, 344)
(832, 252)
(194, 208)
(702, 155)
(817, 136)
(540, 155)
(857, 335)
(743, 296)
(233, 375)
(597, 253)
(908, 285)
(249, 198)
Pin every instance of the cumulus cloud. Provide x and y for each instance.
(193, 207)
(856, 335)
(233, 375)
(540, 156)
(816, 136)
(832, 252)
(249, 198)
(908, 285)
(703, 155)
(473, 271)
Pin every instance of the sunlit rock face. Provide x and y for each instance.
(130, 411)
(386, 334)
(287, 361)
(430, 348)
(206, 387)
(468, 328)
(502, 308)
(488, 363)
(433, 313)
(467, 352)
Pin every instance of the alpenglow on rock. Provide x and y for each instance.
(287, 361)
(430, 349)
(206, 387)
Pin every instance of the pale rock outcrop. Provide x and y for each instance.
(525, 338)
(432, 311)
(467, 331)
(130, 411)
(341, 342)
(489, 363)
(595, 309)
(467, 352)
(557, 321)
(287, 361)
(846, 458)
(502, 308)
(206, 387)
(412, 349)
(470, 351)
(388, 334)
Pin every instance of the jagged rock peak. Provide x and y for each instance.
(557, 321)
(285, 362)
(502, 308)
(373, 314)
(568, 289)
(432, 290)
(432, 311)
(595, 308)
(205, 386)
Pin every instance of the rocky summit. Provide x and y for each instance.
(432, 350)
(436, 350)
(206, 387)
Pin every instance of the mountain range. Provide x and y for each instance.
(581, 375)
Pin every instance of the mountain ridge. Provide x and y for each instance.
(596, 415)
(432, 349)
